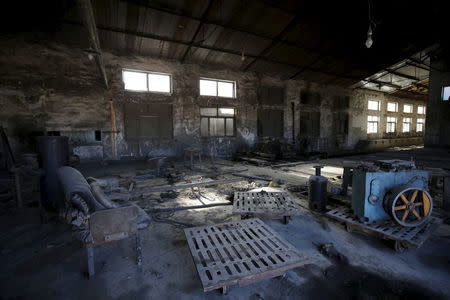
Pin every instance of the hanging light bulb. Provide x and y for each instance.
(369, 40)
(242, 56)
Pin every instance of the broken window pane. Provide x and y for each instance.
(408, 108)
(208, 112)
(230, 127)
(226, 112)
(208, 87)
(225, 89)
(135, 81)
(372, 124)
(406, 124)
(159, 83)
(392, 106)
(373, 105)
(217, 127)
(204, 127)
(421, 110)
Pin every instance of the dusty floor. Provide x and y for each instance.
(42, 260)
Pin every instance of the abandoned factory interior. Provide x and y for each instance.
(225, 149)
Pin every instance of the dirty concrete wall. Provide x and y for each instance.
(438, 116)
(52, 88)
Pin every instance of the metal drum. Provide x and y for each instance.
(54, 153)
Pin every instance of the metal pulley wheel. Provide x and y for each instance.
(408, 206)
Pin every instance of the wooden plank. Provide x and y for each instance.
(239, 253)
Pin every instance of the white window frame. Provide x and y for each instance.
(408, 105)
(421, 122)
(217, 89)
(147, 73)
(378, 105)
(423, 111)
(389, 121)
(396, 107)
(370, 121)
(406, 123)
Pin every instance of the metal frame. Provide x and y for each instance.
(387, 229)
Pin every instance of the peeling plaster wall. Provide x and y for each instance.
(53, 88)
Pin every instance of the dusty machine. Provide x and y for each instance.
(391, 189)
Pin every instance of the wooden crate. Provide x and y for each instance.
(239, 253)
(270, 204)
(387, 229)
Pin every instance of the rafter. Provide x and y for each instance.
(274, 42)
(87, 15)
(201, 22)
(203, 46)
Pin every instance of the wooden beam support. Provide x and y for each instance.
(87, 15)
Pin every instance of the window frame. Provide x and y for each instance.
(424, 110)
(422, 123)
(146, 73)
(217, 116)
(396, 106)
(377, 122)
(378, 105)
(388, 122)
(409, 124)
(408, 112)
(217, 88)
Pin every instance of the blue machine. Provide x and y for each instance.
(391, 189)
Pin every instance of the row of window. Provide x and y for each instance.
(393, 107)
(391, 124)
(140, 81)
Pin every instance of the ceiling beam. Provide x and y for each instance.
(186, 14)
(274, 42)
(202, 21)
(87, 16)
(402, 75)
(202, 46)
(390, 84)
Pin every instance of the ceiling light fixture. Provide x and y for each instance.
(369, 40)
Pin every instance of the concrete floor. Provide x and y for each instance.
(43, 261)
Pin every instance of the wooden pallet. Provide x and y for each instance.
(239, 253)
(387, 229)
(270, 204)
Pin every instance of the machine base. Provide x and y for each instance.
(387, 229)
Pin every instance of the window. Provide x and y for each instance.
(421, 109)
(408, 108)
(406, 124)
(217, 88)
(372, 124)
(217, 121)
(373, 105)
(445, 93)
(391, 123)
(141, 81)
(392, 106)
(419, 125)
